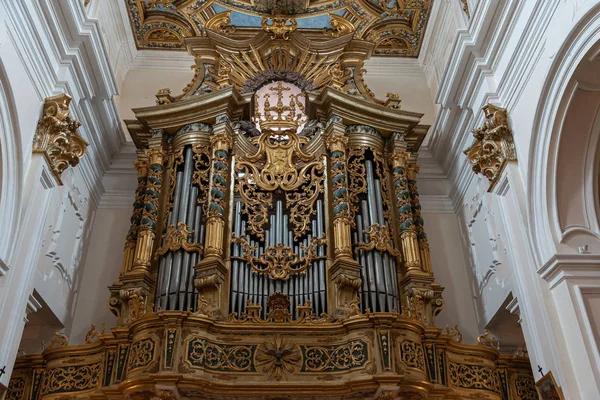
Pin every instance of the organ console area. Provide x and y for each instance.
(277, 244)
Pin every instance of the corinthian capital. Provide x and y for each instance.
(56, 136)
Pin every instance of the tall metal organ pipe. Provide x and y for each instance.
(175, 286)
(246, 284)
(379, 291)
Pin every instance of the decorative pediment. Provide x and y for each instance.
(56, 136)
(493, 146)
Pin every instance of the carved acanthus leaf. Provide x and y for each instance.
(493, 146)
(56, 136)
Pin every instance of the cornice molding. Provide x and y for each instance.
(389, 67)
(436, 204)
(565, 267)
(117, 199)
(162, 60)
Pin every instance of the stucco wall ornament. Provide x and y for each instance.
(56, 136)
(493, 146)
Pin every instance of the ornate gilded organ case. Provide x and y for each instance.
(277, 248)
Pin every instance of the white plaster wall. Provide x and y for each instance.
(448, 263)
(405, 77)
(102, 268)
(483, 235)
(140, 87)
(65, 233)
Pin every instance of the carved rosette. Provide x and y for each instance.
(136, 217)
(147, 229)
(56, 136)
(408, 234)
(493, 147)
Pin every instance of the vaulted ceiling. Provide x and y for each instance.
(395, 26)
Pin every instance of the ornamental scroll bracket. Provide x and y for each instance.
(280, 261)
(379, 238)
(56, 136)
(177, 238)
(493, 147)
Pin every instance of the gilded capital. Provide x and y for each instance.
(221, 141)
(337, 141)
(142, 168)
(412, 171)
(493, 146)
(56, 136)
(155, 156)
(399, 159)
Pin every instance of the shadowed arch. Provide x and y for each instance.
(11, 172)
(563, 169)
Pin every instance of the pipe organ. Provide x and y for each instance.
(276, 244)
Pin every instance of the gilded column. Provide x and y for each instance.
(147, 229)
(138, 209)
(341, 201)
(345, 271)
(408, 235)
(424, 255)
(215, 225)
(211, 273)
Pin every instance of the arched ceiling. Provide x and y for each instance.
(395, 26)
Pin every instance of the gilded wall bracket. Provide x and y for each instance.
(56, 136)
(493, 146)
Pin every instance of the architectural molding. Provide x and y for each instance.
(388, 67)
(436, 204)
(564, 267)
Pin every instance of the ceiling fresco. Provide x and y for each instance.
(396, 27)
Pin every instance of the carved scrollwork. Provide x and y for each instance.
(344, 357)
(340, 26)
(454, 332)
(485, 340)
(380, 238)
(279, 261)
(302, 202)
(356, 175)
(279, 28)
(201, 173)
(70, 379)
(473, 377)
(177, 238)
(255, 185)
(202, 353)
(59, 340)
(56, 136)
(221, 23)
(493, 146)
(279, 305)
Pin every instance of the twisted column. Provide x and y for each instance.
(211, 272)
(215, 225)
(336, 143)
(345, 271)
(138, 208)
(147, 229)
(425, 257)
(408, 235)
